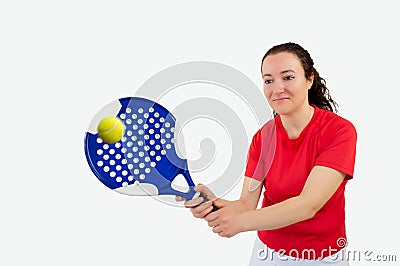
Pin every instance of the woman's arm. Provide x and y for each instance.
(320, 186)
(247, 201)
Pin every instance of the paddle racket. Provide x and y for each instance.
(144, 162)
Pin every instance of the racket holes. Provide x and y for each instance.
(152, 164)
(130, 166)
(140, 110)
(125, 184)
(152, 142)
(106, 157)
(141, 132)
(99, 140)
(129, 144)
(117, 145)
(112, 162)
(157, 136)
(129, 133)
(128, 121)
(118, 156)
(168, 146)
(124, 173)
(135, 160)
(118, 167)
(113, 174)
(129, 155)
(130, 178)
(147, 170)
(140, 121)
(106, 169)
(134, 138)
(147, 159)
(162, 119)
(141, 165)
(122, 116)
(111, 151)
(118, 179)
(172, 140)
(145, 126)
(105, 146)
(152, 153)
(151, 120)
(134, 116)
(136, 171)
(163, 141)
(123, 150)
(158, 147)
(162, 130)
(146, 115)
(140, 143)
(158, 158)
(123, 139)
(156, 114)
(124, 161)
(168, 135)
(167, 124)
(146, 148)
(163, 152)
(100, 163)
(151, 109)
(151, 131)
(128, 110)
(156, 125)
(141, 154)
(146, 137)
(99, 152)
(135, 127)
(142, 176)
(135, 149)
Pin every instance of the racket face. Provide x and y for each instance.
(144, 161)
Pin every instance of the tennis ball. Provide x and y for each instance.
(111, 129)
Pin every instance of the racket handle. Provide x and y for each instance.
(205, 200)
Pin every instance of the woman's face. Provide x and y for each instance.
(285, 85)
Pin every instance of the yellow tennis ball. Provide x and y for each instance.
(111, 129)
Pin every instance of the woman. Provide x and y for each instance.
(302, 219)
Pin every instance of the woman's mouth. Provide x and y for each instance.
(280, 100)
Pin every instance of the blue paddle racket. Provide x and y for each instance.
(144, 162)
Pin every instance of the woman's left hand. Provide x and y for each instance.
(226, 221)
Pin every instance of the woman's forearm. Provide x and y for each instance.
(282, 214)
(238, 205)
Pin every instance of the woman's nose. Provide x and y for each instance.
(278, 87)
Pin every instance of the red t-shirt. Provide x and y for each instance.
(327, 140)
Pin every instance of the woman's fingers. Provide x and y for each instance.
(202, 210)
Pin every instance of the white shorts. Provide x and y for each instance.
(263, 255)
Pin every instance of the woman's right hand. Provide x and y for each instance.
(202, 205)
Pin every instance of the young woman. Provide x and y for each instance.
(302, 219)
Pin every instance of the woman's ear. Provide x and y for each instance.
(311, 81)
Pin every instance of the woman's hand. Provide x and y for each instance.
(226, 221)
(197, 207)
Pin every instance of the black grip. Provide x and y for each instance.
(205, 199)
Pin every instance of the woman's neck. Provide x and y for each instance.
(295, 123)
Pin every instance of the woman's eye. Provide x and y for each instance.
(288, 78)
(267, 81)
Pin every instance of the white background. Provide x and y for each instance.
(61, 61)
